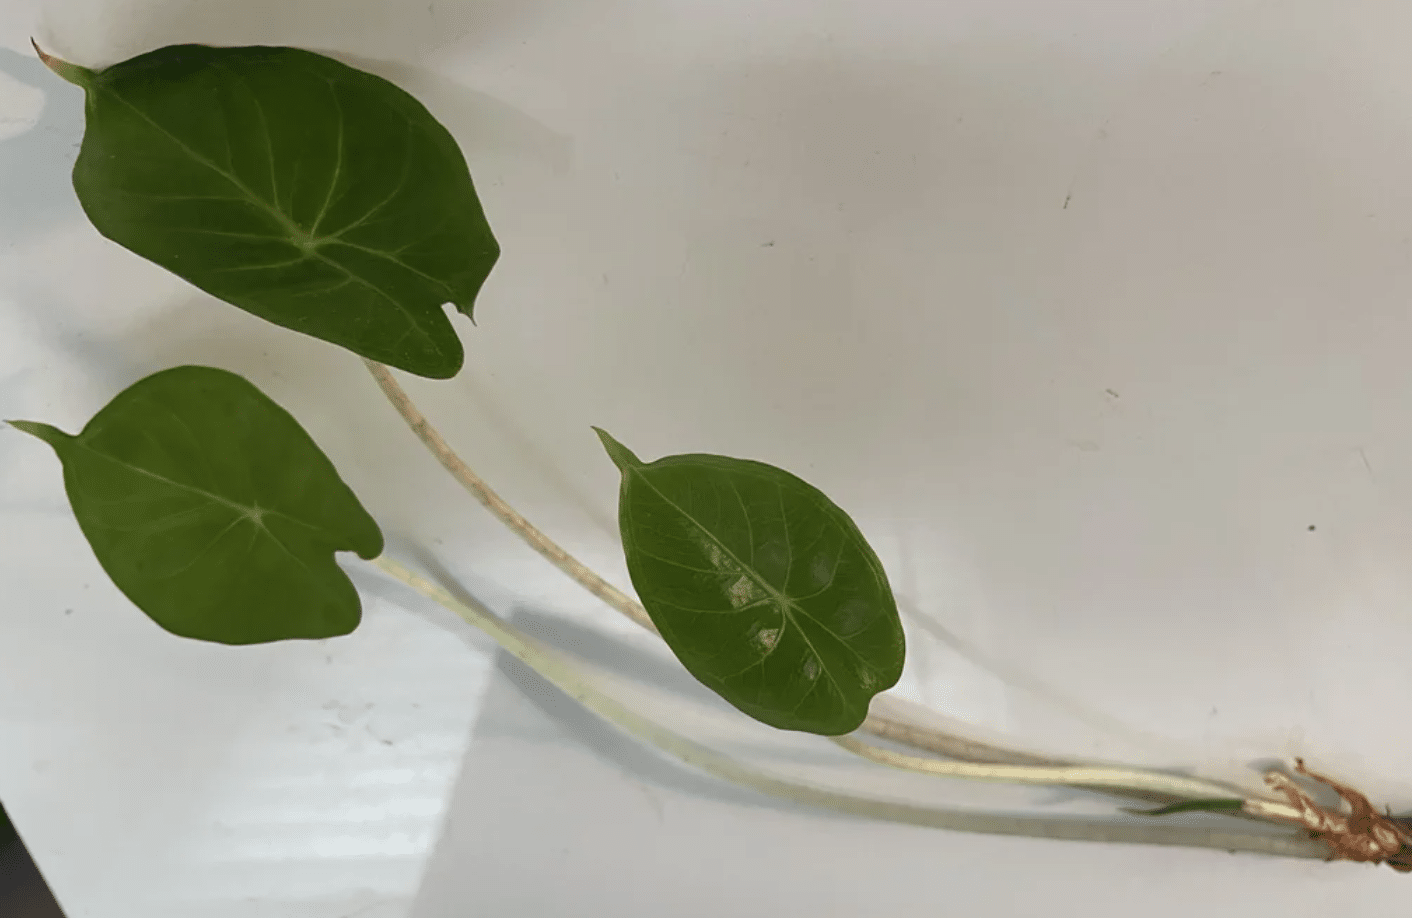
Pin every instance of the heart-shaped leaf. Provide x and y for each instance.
(316, 196)
(763, 587)
(213, 511)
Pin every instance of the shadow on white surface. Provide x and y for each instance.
(556, 814)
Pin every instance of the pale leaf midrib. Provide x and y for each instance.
(250, 512)
(282, 219)
(788, 607)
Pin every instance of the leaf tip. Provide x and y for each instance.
(622, 457)
(73, 73)
(50, 435)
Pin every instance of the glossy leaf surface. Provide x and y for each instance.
(762, 587)
(213, 511)
(316, 196)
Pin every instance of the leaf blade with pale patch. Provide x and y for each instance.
(763, 588)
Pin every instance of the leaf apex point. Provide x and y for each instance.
(37, 429)
(622, 457)
(73, 73)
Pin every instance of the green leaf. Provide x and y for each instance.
(1214, 805)
(213, 511)
(316, 196)
(763, 587)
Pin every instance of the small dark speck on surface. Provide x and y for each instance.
(1312, 527)
(1113, 392)
(1067, 199)
(768, 245)
(68, 611)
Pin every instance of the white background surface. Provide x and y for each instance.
(1086, 311)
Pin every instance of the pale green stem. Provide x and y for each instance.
(1273, 811)
(1098, 777)
(468, 479)
(882, 727)
(950, 745)
(567, 678)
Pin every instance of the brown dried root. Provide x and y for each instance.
(1362, 834)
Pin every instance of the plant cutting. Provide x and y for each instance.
(328, 201)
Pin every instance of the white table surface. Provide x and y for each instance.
(1095, 315)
